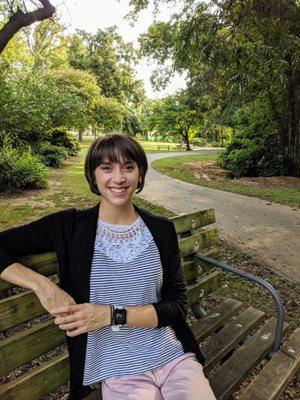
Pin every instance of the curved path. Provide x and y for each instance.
(270, 232)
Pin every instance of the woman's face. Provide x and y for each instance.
(117, 181)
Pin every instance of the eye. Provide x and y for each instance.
(129, 167)
(104, 167)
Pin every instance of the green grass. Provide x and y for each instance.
(174, 167)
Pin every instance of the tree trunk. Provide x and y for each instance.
(185, 137)
(80, 135)
(293, 144)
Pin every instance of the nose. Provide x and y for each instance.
(118, 175)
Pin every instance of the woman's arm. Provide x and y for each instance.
(89, 317)
(49, 294)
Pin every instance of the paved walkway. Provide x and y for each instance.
(270, 232)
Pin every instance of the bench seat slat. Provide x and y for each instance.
(276, 375)
(38, 381)
(229, 376)
(215, 319)
(226, 339)
(19, 308)
(23, 347)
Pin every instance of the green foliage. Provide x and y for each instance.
(248, 158)
(173, 116)
(237, 53)
(51, 156)
(108, 114)
(60, 136)
(111, 60)
(20, 169)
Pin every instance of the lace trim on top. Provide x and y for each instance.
(122, 243)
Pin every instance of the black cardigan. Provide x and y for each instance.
(71, 234)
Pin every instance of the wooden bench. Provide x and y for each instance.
(171, 147)
(34, 359)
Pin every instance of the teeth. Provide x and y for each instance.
(117, 190)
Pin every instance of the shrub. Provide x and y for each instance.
(51, 156)
(20, 169)
(246, 157)
(61, 137)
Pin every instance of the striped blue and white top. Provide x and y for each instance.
(126, 270)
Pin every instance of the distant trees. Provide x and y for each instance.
(174, 116)
(244, 55)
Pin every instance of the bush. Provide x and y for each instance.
(245, 157)
(20, 169)
(51, 156)
(61, 137)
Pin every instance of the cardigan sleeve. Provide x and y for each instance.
(39, 236)
(172, 308)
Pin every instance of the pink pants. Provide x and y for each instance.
(180, 379)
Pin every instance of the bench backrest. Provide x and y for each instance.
(29, 336)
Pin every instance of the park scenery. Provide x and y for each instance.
(211, 90)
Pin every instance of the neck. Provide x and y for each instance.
(124, 215)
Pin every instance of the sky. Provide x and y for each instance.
(92, 15)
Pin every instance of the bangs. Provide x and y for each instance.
(113, 154)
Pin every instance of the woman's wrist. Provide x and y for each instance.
(42, 284)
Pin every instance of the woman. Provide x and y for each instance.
(122, 295)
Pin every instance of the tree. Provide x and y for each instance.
(174, 116)
(84, 85)
(108, 114)
(19, 19)
(245, 53)
(111, 60)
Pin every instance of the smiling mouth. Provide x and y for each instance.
(118, 190)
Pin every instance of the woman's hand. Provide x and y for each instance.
(82, 318)
(52, 296)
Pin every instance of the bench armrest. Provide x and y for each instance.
(266, 285)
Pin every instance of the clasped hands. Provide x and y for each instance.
(76, 319)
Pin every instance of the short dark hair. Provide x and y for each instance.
(113, 147)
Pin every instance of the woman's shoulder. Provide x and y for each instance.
(151, 217)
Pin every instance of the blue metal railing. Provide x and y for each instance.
(266, 285)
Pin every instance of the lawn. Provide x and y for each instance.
(201, 170)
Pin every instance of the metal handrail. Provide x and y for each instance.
(266, 285)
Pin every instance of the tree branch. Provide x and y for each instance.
(20, 19)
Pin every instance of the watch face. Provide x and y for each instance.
(120, 317)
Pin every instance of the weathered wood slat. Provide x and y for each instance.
(45, 264)
(193, 268)
(190, 270)
(229, 376)
(215, 319)
(38, 381)
(197, 242)
(184, 223)
(27, 345)
(19, 308)
(226, 340)
(205, 285)
(276, 375)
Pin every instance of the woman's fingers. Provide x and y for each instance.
(71, 325)
(76, 332)
(69, 308)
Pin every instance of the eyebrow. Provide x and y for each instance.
(126, 162)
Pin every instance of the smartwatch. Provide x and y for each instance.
(118, 317)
